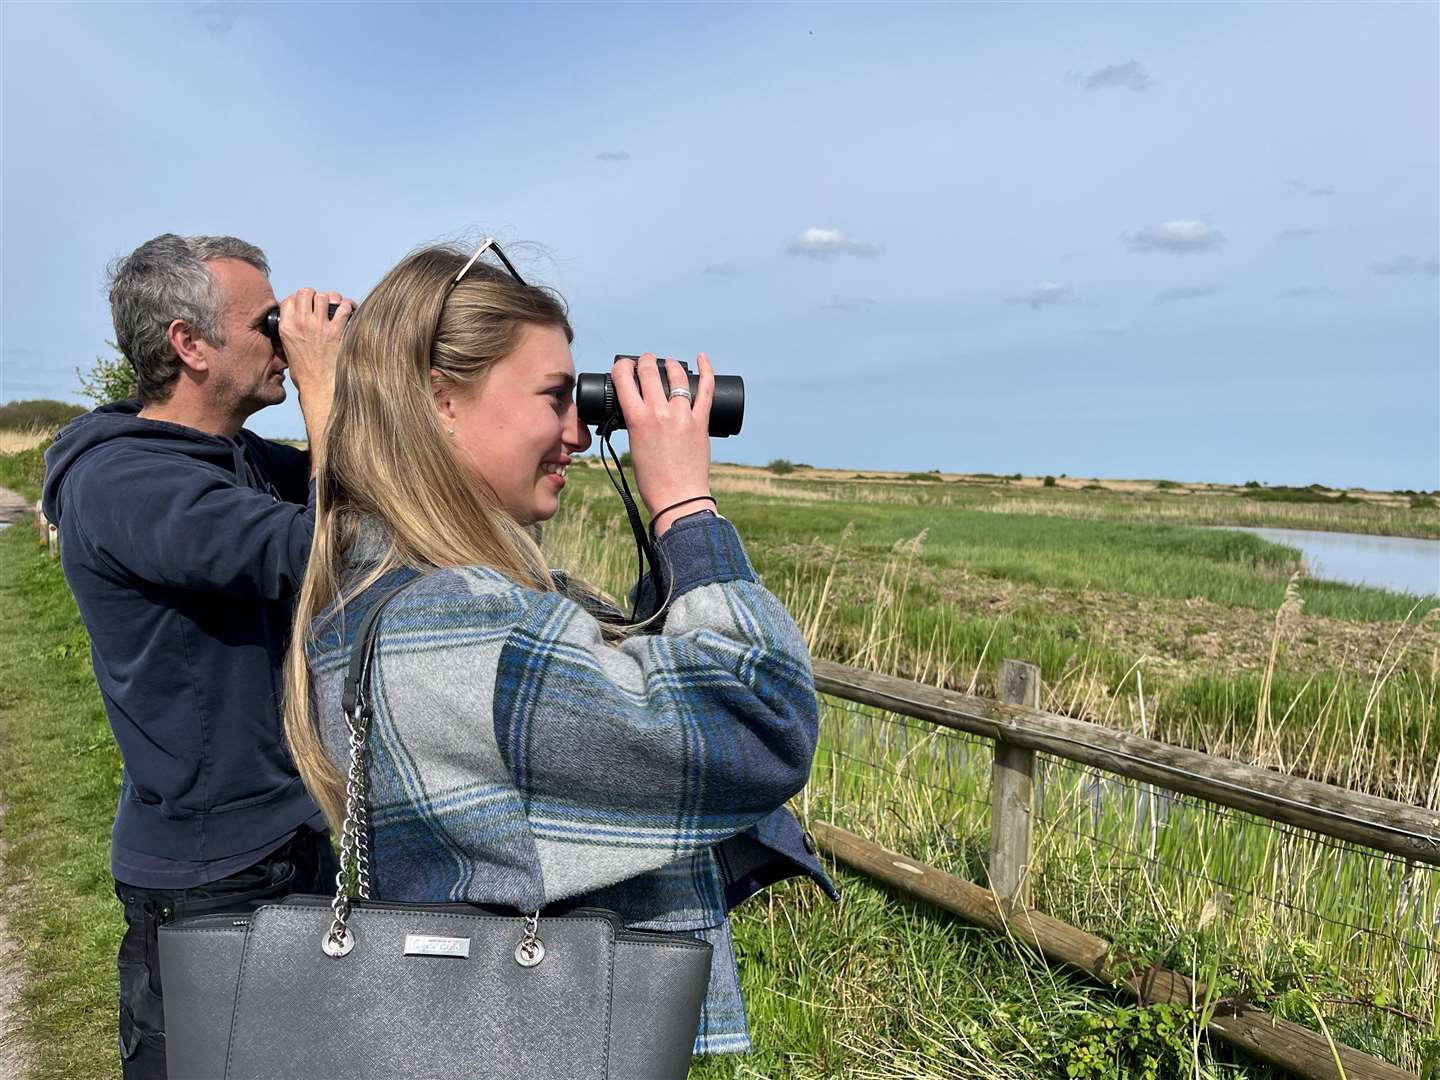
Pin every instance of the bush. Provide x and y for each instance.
(108, 380)
(1049, 481)
(1422, 502)
(41, 414)
(1166, 485)
(1282, 494)
(780, 467)
(24, 471)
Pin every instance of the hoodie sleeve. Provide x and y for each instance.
(175, 522)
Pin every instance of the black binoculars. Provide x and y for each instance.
(271, 326)
(599, 408)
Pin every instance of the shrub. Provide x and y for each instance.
(1049, 481)
(781, 467)
(24, 471)
(43, 414)
(1422, 502)
(108, 380)
(1166, 485)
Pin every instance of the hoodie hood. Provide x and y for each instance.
(121, 420)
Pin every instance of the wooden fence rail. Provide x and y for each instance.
(1019, 729)
(1411, 832)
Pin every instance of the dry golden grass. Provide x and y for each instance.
(12, 442)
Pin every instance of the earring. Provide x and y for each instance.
(450, 431)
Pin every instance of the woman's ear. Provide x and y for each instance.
(444, 391)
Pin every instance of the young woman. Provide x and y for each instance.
(522, 752)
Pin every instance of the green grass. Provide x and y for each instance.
(62, 778)
(1140, 559)
(23, 472)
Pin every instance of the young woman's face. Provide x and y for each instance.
(517, 427)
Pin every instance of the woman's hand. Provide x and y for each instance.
(669, 438)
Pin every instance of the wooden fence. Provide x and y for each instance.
(1019, 729)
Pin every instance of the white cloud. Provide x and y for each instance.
(1407, 266)
(818, 243)
(1185, 292)
(1127, 76)
(1179, 237)
(612, 155)
(849, 303)
(218, 19)
(1045, 294)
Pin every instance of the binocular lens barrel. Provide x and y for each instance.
(272, 321)
(598, 407)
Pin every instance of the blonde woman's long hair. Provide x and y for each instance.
(384, 455)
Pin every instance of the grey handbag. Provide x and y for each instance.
(315, 987)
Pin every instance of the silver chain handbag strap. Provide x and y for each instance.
(355, 831)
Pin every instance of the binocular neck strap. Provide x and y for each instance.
(644, 548)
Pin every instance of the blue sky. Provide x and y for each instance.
(1188, 241)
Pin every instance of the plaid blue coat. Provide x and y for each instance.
(518, 759)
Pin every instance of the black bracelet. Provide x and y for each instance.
(683, 502)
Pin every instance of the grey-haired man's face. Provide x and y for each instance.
(246, 373)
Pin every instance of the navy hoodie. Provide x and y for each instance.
(184, 552)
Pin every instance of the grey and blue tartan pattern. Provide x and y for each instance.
(518, 759)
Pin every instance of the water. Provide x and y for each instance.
(1397, 563)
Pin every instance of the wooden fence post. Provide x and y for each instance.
(1012, 794)
(52, 541)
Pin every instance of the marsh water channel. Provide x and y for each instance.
(1397, 563)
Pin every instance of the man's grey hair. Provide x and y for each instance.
(163, 280)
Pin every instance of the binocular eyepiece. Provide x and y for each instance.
(599, 408)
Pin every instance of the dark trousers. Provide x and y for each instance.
(303, 864)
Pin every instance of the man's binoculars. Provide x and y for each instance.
(272, 322)
(598, 407)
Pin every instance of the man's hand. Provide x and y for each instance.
(311, 340)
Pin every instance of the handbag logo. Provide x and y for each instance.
(430, 945)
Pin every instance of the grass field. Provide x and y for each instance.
(1136, 621)
(869, 987)
(1200, 637)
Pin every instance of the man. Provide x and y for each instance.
(184, 539)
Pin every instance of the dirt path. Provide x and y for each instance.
(13, 507)
(15, 1055)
